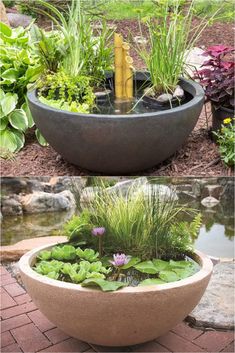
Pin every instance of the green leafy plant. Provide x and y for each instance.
(78, 226)
(171, 34)
(226, 138)
(86, 54)
(19, 68)
(63, 91)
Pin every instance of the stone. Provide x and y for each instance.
(45, 202)
(216, 308)
(209, 202)
(14, 252)
(3, 15)
(212, 190)
(194, 59)
(17, 20)
(162, 191)
(74, 184)
(140, 40)
(178, 92)
(186, 196)
(11, 206)
(124, 186)
(164, 98)
(88, 194)
(197, 186)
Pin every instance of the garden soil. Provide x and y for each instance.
(199, 156)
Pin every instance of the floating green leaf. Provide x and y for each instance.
(132, 262)
(87, 254)
(160, 264)
(168, 276)
(151, 281)
(106, 286)
(146, 267)
(45, 255)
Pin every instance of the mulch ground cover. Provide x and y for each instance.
(199, 156)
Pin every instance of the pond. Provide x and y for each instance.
(216, 237)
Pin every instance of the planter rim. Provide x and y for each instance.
(198, 96)
(26, 260)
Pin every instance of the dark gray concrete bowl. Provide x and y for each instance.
(118, 144)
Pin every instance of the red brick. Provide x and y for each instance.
(229, 348)
(176, 343)
(40, 321)
(13, 348)
(20, 309)
(6, 339)
(214, 341)
(70, 345)
(7, 279)
(98, 348)
(56, 335)
(150, 347)
(14, 289)
(6, 301)
(24, 298)
(29, 338)
(14, 322)
(3, 271)
(186, 331)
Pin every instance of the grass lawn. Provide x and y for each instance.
(131, 9)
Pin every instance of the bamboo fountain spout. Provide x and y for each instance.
(123, 69)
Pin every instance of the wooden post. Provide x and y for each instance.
(125, 53)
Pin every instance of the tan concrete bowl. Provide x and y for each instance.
(128, 316)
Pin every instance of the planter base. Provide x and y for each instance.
(119, 144)
(125, 317)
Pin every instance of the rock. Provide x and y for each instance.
(197, 186)
(186, 196)
(45, 202)
(11, 206)
(3, 15)
(17, 20)
(164, 98)
(88, 194)
(14, 252)
(212, 190)
(162, 191)
(209, 202)
(183, 188)
(216, 308)
(75, 184)
(178, 92)
(194, 59)
(124, 186)
(140, 40)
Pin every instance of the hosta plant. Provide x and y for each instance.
(217, 76)
(124, 241)
(19, 68)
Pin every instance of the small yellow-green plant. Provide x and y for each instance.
(226, 140)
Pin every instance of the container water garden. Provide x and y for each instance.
(217, 78)
(137, 119)
(127, 274)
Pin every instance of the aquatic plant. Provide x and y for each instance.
(171, 34)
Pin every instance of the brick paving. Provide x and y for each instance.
(25, 329)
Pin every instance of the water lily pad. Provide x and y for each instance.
(169, 276)
(151, 281)
(146, 267)
(106, 286)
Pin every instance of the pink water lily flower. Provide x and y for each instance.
(120, 260)
(99, 231)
